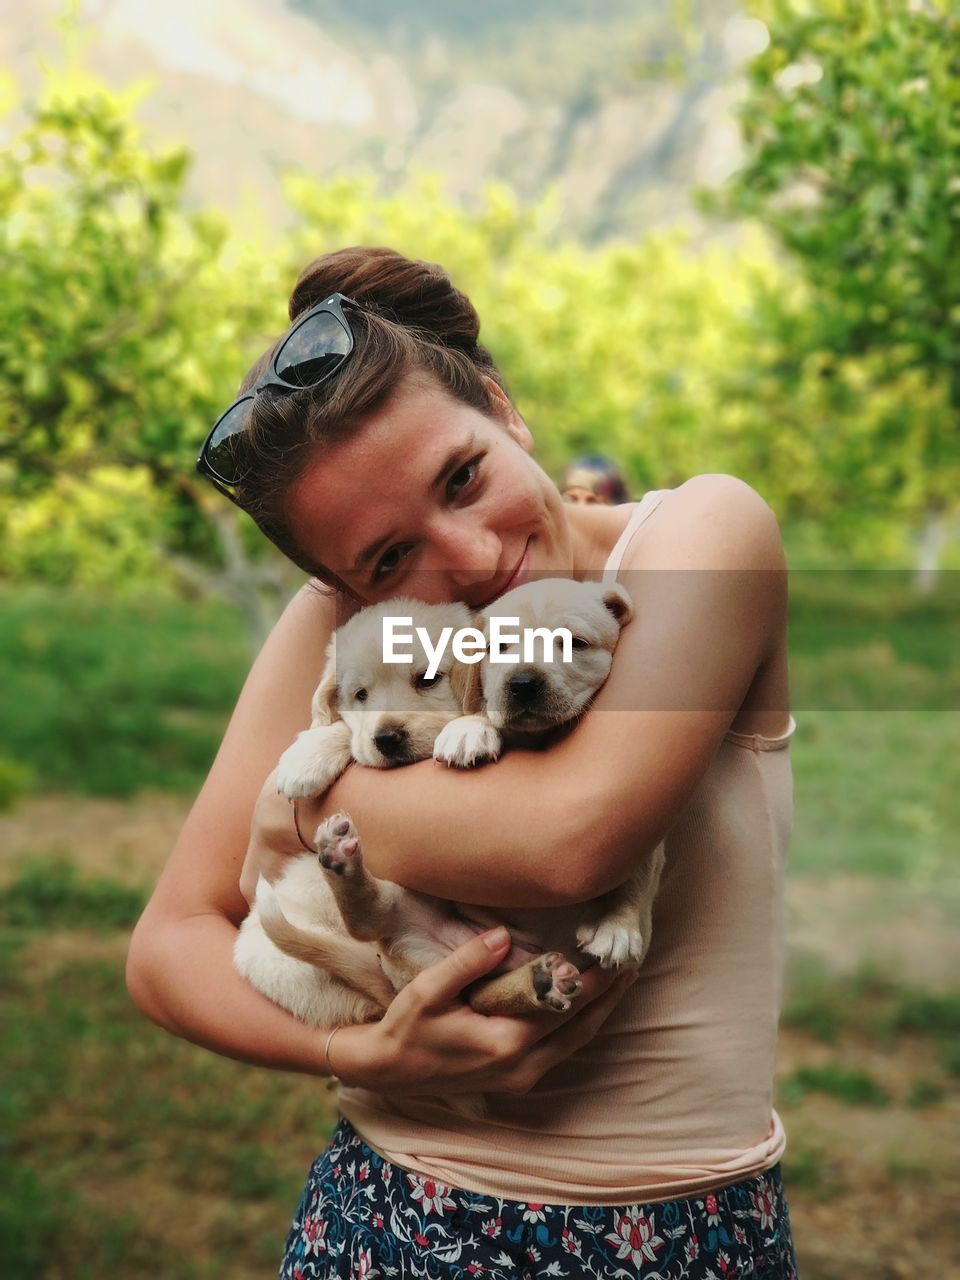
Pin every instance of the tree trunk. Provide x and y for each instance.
(934, 535)
(259, 588)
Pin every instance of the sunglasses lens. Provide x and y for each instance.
(222, 452)
(314, 351)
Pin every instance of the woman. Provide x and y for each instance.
(637, 1136)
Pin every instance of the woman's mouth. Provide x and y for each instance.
(518, 576)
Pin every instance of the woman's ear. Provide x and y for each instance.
(503, 408)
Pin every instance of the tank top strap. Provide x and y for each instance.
(642, 510)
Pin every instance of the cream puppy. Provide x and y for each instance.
(526, 695)
(307, 944)
(372, 712)
(523, 702)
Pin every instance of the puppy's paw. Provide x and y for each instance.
(556, 981)
(307, 768)
(339, 846)
(616, 945)
(468, 741)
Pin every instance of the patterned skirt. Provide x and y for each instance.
(363, 1218)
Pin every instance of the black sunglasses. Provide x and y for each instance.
(312, 351)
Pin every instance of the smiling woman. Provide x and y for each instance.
(474, 500)
(381, 452)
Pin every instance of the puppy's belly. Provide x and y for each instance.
(471, 920)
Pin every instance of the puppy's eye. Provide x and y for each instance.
(360, 695)
(578, 643)
(423, 681)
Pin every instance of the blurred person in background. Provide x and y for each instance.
(594, 478)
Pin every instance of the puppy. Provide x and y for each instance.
(375, 713)
(524, 704)
(307, 942)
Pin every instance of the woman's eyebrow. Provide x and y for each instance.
(454, 456)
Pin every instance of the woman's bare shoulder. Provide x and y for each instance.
(711, 521)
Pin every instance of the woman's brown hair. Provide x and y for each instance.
(412, 318)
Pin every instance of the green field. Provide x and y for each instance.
(129, 1153)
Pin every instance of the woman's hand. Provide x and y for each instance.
(273, 838)
(430, 1042)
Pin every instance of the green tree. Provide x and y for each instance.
(852, 128)
(121, 316)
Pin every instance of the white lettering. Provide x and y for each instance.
(434, 655)
(499, 638)
(391, 640)
(469, 645)
(549, 638)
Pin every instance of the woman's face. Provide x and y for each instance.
(433, 499)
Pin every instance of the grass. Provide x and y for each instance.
(868, 1004)
(878, 794)
(848, 1084)
(808, 1168)
(51, 893)
(126, 1151)
(864, 640)
(106, 697)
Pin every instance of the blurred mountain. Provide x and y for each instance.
(620, 106)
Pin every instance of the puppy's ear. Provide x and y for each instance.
(465, 677)
(323, 708)
(465, 680)
(617, 600)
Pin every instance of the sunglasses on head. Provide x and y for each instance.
(313, 350)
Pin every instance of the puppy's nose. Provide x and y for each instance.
(526, 686)
(391, 742)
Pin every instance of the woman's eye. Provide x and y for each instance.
(423, 681)
(391, 561)
(360, 695)
(463, 477)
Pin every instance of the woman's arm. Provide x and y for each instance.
(541, 829)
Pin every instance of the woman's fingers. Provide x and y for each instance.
(442, 982)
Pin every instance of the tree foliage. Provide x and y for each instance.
(852, 128)
(127, 320)
(121, 319)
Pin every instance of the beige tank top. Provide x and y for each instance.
(674, 1095)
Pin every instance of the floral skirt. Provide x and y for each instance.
(363, 1218)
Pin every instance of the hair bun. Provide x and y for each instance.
(415, 294)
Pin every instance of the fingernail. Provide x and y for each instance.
(496, 939)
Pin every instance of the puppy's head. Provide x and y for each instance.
(394, 712)
(532, 695)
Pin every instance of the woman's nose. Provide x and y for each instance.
(467, 551)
